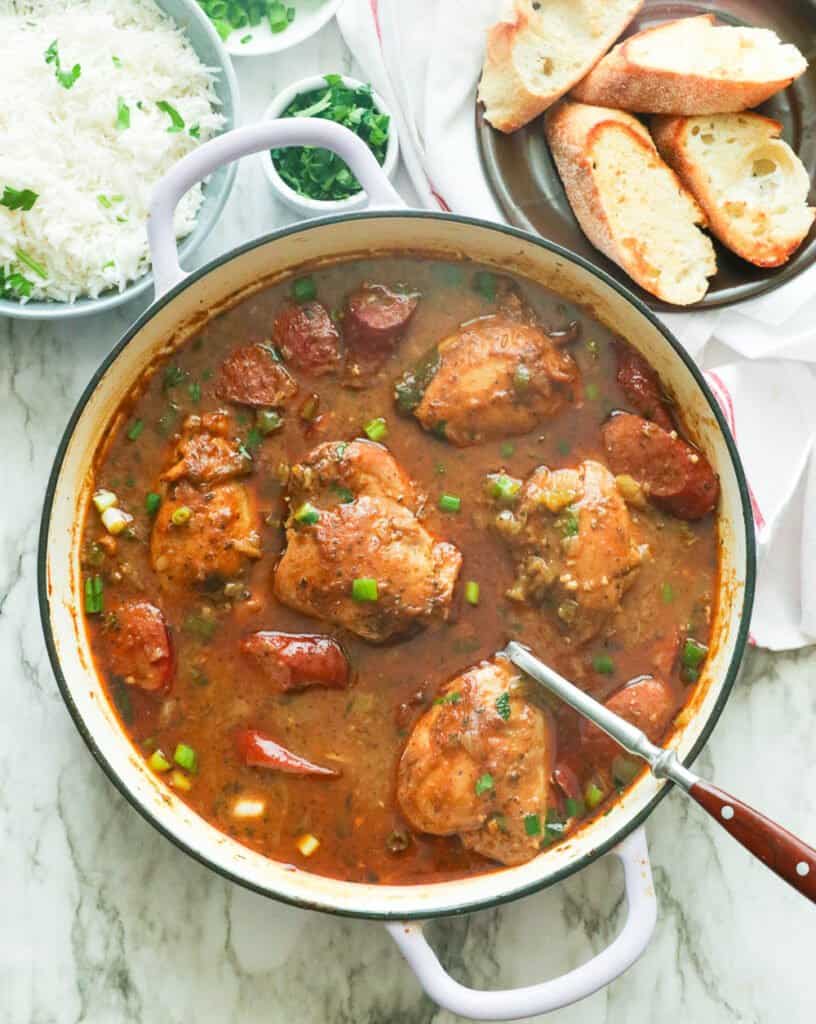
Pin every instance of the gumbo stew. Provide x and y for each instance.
(320, 519)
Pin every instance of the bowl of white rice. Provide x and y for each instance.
(100, 99)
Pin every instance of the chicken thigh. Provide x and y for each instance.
(497, 376)
(477, 764)
(575, 545)
(357, 555)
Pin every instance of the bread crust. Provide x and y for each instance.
(671, 135)
(509, 104)
(572, 129)
(619, 81)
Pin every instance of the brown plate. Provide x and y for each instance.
(527, 187)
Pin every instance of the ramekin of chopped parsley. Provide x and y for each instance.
(315, 175)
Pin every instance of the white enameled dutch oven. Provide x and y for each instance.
(184, 302)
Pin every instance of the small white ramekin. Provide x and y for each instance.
(319, 207)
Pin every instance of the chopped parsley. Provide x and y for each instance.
(31, 263)
(503, 705)
(65, 78)
(122, 114)
(176, 120)
(450, 698)
(18, 199)
(318, 173)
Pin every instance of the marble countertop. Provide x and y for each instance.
(104, 921)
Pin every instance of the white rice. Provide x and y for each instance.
(64, 144)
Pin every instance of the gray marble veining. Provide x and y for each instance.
(103, 920)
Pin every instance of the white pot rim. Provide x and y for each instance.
(324, 207)
(380, 902)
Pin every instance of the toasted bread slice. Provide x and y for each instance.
(630, 204)
(539, 50)
(692, 66)
(750, 183)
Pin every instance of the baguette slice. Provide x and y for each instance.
(630, 204)
(750, 183)
(692, 66)
(541, 49)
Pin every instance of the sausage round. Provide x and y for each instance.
(252, 376)
(675, 475)
(641, 385)
(307, 338)
(139, 646)
(374, 318)
(646, 702)
(293, 661)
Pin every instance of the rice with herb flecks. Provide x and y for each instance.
(100, 99)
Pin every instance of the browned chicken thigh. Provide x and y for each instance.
(477, 764)
(496, 376)
(357, 555)
(207, 524)
(575, 545)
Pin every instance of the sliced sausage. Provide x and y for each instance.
(293, 661)
(675, 475)
(646, 702)
(374, 318)
(307, 338)
(259, 751)
(641, 385)
(139, 646)
(253, 376)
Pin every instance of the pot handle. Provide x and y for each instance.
(289, 131)
(532, 1000)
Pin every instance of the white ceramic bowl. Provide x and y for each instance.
(310, 17)
(321, 207)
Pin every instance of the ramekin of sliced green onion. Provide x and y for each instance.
(254, 28)
(315, 181)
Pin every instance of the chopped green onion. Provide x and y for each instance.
(247, 38)
(593, 795)
(554, 827)
(158, 762)
(135, 430)
(254, 439)
(574, 808)
(364, 589)
(304, 289)
(503, 705)
(450, 503)
(122, 114)
(343, 493)
(507, 449)
(667, 593)
(485, 284)
(532, 824)
(152, 503)
(18, 199)
(104, 500)
(200, 626)
(194, 131)
(185, 757)
(472, 592)
(484, 784)
(277, 18)
(522, 378)
(592, 392)
(307, 514)
(31, 263)
(568, 523)
(692, 657)
(115, 520)
(176, 120)
(268, 421)
(603, 664)
(450, 698)
(376, 430)
(181, 515)
(194, 391)
(104, 201)
(173, 376)
(502, 487)
(94, 599)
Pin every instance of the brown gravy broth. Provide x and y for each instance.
(361, 731)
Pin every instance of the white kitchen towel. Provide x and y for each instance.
(760, 356)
